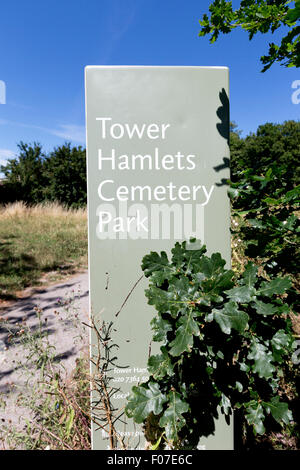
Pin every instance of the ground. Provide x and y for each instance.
(60, 304)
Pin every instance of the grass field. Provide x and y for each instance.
(37, 243)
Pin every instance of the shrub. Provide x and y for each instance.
(223, 345)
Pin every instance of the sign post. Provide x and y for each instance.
(157, 157)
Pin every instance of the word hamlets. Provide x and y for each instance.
(146, 162)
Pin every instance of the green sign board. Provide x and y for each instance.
(158, 156)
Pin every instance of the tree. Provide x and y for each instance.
(237, 147)
(65, 169)
(35, 177)
(277, 144)
(24, 175)
(256, 16)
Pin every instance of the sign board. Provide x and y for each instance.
(157, 157)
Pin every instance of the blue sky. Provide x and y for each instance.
(44, 47)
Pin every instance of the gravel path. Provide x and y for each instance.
(60, 304)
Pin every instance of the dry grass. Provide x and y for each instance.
(47, 209)
(46, 238)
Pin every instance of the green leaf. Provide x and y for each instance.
(193, 258)
(186, 256)
(241, 295)
(276, 286)
(293, 194)
(213, 287)
(283, 308)
(161, 299)
(256, 223)
(224, 280)
(69, 422)
(281, 340)
(290, 222)
(225, 404)
(264, 309)
(231, 317)
(172, 419)
(281, 343)
(210, 294)
(178, 255)
(160, 365)
(262, 359)
(233, 192)
(157, 267)
(160, 328)
(144, 400)
(293, 14)
(260, 15)
(239, 386)
(249, 275)
(244, 367)
(255, 416)
(183, 288)
(184, 335)
(211, 266)
(279, 410)
(271, 201)
(198, 278)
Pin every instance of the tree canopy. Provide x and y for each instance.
(271, 144)
(259, 16)
(24, 175)
(65, 171)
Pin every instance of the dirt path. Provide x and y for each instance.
(60, 304)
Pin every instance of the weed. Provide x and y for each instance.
(55, 407)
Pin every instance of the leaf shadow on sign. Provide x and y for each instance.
(223, 129)
(209, 401)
